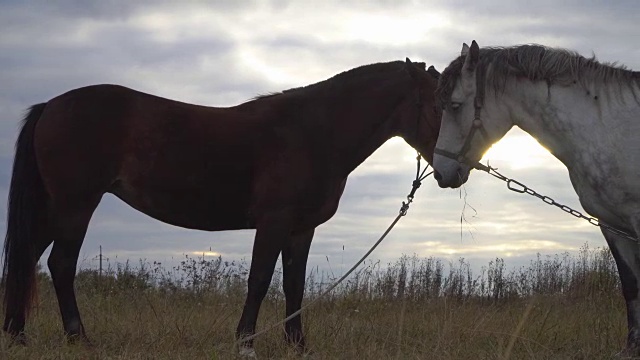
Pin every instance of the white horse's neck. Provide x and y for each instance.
(578, 125)
(595, 132)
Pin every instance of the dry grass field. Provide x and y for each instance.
(558, 307)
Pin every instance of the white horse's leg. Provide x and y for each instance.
(627, 256)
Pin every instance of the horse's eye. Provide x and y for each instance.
(455, 105)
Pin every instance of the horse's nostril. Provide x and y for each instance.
(436, 175)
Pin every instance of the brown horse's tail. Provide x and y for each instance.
(26, 206)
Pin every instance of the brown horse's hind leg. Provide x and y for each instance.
(294, 264)
(70, 228)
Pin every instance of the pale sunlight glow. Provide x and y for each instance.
(518, 150)
(206, 253)
(437, 248)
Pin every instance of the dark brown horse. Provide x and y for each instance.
(277, 164)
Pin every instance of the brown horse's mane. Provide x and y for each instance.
(537, 63)
(349, 75)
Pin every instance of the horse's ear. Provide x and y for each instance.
(414, 68)
(465, 49)
(433, 72)
(408, 61)
(471, 57)
(420, 65)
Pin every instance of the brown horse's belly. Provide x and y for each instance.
(188, 209)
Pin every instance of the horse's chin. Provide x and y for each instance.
(455, 183)
(450, 173)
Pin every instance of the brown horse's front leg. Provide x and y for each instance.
(271, 233)
(294, 264)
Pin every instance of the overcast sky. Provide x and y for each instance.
(224, 52)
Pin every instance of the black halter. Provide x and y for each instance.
(475, 126)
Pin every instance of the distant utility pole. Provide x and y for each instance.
(100, 272)
(100, 258)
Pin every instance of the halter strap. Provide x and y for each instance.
(476, 125)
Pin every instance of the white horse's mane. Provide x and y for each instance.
(539, 63)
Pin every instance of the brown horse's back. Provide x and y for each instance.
(173, 161)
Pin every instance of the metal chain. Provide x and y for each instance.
(517, 186)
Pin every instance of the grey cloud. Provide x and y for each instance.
(49, 48)
(546, 8)
(117, 9)
(129, 53)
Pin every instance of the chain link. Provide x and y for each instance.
(516, 186)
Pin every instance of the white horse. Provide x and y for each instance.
(585, 112)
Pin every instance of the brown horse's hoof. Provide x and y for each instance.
(18, 339)
(247, 352)
(79, 339)
(305, 353)
(296, 341)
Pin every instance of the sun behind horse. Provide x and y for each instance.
(277, 164)
(585, 112)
